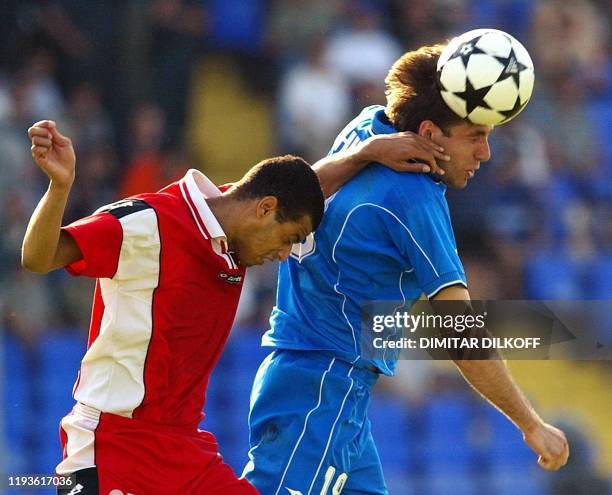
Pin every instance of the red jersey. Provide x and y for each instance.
(164, 304)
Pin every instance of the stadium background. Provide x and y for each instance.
(148, 88)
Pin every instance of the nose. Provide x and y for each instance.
(483, 152)
(284, 253)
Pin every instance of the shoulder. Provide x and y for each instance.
(124, 207)
(141, 213)
(414, 188)
(403, 187)
(357, 129)
(393, 198)
(160, 203)
(379, 192)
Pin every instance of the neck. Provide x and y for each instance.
(229, 213)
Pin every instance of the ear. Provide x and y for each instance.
(266, 206)
(428, 129)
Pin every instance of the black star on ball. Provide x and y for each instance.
(474, 97)
(513, 67)
(466, 49)
(513, 111)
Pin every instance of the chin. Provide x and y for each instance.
(457, 184)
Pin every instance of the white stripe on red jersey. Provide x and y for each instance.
(165, 302)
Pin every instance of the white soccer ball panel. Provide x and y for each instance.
(502, 95)
(483, 70)
(448, 51)
(526, 82)
(453, 75)
(474, 33)
(495, 43)
(484, 116)
(455, 103)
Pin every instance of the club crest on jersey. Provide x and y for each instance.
(231, 279)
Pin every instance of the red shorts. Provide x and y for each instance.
(138, 458)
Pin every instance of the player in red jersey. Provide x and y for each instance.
(169, 269)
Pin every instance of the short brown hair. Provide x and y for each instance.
(412, 92)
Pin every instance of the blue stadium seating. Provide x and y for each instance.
(58, 358)
(599, 278)
(600, 114)
(17, 405)
(507, 450)
(227, 403)
(239, 29)
(393, 434)
(401, 483)
(553, 276)
(511, 482)
(447, 443)
(455, 483)
(513, 467)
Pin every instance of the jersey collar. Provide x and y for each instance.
(196, 188)
(381, 123)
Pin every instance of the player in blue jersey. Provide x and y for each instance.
(384, 236)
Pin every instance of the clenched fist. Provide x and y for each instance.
(550, 444)
(52, 152)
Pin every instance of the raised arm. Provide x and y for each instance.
(492, 379)
(45, 247)
(393, 150)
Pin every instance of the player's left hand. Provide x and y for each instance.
(396, 150)
(550, 444)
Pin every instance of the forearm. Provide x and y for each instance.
(402, 152)
(492, 379)
(43, 232)
(335, 170)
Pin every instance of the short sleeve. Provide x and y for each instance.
(421, 230)
(99, 238)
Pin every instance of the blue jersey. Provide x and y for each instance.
(385, 236)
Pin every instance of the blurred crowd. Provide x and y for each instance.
(117, 78)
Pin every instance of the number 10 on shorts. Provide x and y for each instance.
(338, 485)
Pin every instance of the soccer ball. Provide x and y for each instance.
(485, 76)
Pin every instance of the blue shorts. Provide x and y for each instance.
(309, 430)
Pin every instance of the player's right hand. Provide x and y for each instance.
(406, 152)
(550, 444)
(52, 152)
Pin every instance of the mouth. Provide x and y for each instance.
(470, 173)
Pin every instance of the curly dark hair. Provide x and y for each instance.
(292, 181)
